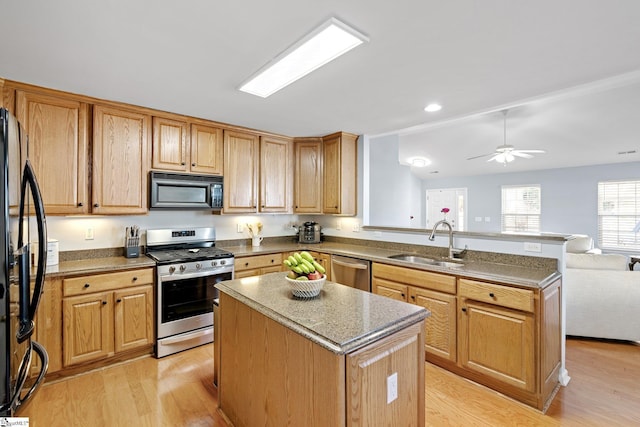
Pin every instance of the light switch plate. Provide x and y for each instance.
(532, 247)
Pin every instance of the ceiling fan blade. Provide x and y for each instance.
(495, 157)
(483, 155)
(519, 153)
(532, 151)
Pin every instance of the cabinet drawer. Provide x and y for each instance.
(419, 278)
(259, 261)
(506, 296)
(106, 282)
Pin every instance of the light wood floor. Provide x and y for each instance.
(178, 391)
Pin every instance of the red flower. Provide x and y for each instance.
(444, 210)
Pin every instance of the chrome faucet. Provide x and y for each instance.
(433, 234)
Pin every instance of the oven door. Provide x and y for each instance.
(185, 303)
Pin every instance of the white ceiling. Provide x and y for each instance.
(471, 56)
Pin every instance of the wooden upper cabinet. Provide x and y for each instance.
(58, 139)
(275, 175)
(120, 160)
(170, 139)
(339, 174)
(182, 147)
(207, 150)
(241, 157)
(307, 192)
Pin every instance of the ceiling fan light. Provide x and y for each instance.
(432, 108)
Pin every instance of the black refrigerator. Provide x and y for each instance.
(22, 208)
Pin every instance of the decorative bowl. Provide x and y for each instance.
(306, 288)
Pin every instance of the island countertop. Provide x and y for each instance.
(341, 319)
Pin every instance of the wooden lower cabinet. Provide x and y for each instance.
(105, 314)
(433, 291)
(502, 336)
(257, 265)
(287, 379)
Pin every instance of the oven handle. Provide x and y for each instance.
(180, 276)
(187, 337)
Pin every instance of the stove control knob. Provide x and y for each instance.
(198, 266)
(214, 263)
(223, 262)
(182, 267)
(172, 269)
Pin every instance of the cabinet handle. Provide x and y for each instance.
(402, 295)
(119, 300)
(96, 205)
(193, 164)
(104, 303)
(464, 309)
(80, 204)
(413, 297)
(86, 285)
(135, 278)
(491, 295)
(182, 163)
(246, 264)
(272, 261)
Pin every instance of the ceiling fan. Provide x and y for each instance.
(506, 153)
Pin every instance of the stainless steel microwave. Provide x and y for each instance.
(185, 192)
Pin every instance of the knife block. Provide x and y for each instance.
(132, 251)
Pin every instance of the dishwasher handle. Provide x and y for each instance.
(359, 266)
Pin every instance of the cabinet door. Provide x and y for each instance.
(339, 174)
(88, 327)
(389, 289)
(498, 342)
(133, 317)
(440, 327)
(240, 172)
(58, 141)
(207, 150)
(307, 192)
(120, 161)
(247, 273)
(275, 175)
(170, 139)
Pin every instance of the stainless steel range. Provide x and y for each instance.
(188, 268)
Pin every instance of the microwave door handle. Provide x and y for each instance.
(29, 306)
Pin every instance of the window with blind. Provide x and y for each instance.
(618, 215)
(521, 208)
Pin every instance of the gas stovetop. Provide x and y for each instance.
(173, 246)
(187, 254)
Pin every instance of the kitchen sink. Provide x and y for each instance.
(424, 260)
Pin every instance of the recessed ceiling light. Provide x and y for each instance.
(432, 108)
(322, 45)
(419, 162)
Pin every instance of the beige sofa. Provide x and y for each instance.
(602, 296)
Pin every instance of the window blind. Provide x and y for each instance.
(521, 208)
(618, 214)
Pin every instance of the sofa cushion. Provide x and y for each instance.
(580, 243)
(597, 261)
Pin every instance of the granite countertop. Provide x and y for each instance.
(525, 275)
(341, 319)
(97, 265)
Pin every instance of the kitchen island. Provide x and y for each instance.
(346, 357)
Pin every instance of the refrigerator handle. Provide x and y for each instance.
(29, 306)
(18, 399)
(44, 365)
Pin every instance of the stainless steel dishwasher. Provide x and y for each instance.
(352, 272)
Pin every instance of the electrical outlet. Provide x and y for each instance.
(487, 219)
(532, 247)
(240, 228)
(478, 219)
(339, 225)
(88, 235)
(356, 227)
(392, 387)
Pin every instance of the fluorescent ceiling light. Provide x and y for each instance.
(322, 45)
(432, 108)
